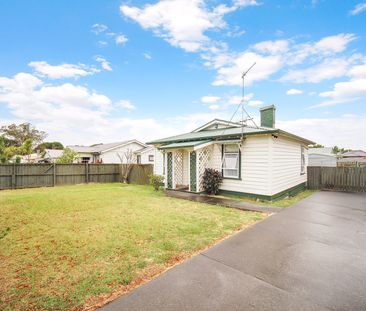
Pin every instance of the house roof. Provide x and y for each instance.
(217, 121)
(186, 144)
(144, 149)
(226, 133)
(99, 148)
(54, 153)
(354, 153)
(322, 151)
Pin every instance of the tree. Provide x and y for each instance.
(336, 150)
(316, 146)
(55, 145)
(127, 161)
(68, 156)
(16, 135)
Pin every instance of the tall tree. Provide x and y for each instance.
(56, 145)
(16, 135)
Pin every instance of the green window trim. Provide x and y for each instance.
(222, 161)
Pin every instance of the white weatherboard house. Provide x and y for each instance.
(107, 153)
(264, 162)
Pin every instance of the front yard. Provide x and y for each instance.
(73, 247)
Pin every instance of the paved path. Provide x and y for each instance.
(245, 206)
(311, 256)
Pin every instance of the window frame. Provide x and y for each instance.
(151, 156)
(302, 161)
(223, 153)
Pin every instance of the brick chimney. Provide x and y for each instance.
(268, 116)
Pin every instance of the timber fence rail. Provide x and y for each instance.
(351, 179)
(17, 176)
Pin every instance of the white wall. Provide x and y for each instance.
(286, 164)
(268, 165)
(145, 156)
(158, 162)
(112, 155)
(322, 160)
(254, 166)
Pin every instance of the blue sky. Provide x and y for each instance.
(102, 71)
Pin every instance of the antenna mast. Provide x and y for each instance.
(242, 102)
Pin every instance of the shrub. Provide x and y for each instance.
(156, 181)
(212, 180)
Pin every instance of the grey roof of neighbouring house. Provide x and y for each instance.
(227, 133)
(54, 153)
(101, 147)
(354, 153)
(322, 151)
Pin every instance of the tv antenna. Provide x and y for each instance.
(241, 105)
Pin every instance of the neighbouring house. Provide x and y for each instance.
(322, 157)
(354, 154)
(51, 155)
(29, 158)
(145, 155)
(107, 153)
(260, 162)
(353, 158)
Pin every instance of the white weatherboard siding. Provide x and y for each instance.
(322, 160)
(255, 176)
(111, 156)
(158, 162)
(145, 156)
(286, 164)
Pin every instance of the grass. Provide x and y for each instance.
(286, 202)
(69, 248)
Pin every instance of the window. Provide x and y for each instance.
(231, 161)
(85, 159)
(302, 160)
(151, 158)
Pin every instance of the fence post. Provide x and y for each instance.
(54, 174)
(87, 173)
(13, 177)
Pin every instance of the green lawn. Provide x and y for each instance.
(70, 247)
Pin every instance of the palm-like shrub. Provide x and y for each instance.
(212, 180)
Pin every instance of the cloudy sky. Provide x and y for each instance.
(103, 71)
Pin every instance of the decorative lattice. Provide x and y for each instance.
(203, 158)
(169, 170)
(178, 168)
(192, 168)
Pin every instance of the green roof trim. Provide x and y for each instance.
(184, 144)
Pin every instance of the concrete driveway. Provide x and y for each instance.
(311, 256)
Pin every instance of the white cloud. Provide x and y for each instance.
(344, 92)
(182, 23)
(125, 104)
(294, 92)
(255, 103)
(230, 74)
(210, 99)
(346, 131)
(272, 47)
(359, 8)
(106, 65)
(330, 68)
(147, 56)
(121, 39)
(102, 43)
(214, 107)
(44, 69)
(358, 71)
(99, 28)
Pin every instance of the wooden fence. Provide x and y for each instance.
(16, 176)
(337, 178)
